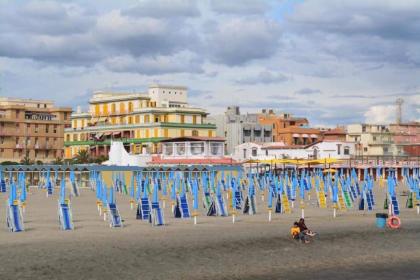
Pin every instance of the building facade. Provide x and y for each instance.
(32, 130)
(239, 128)
(407, 137)
(373, 140)
(278, 150)
(288, 129)
(139, 120)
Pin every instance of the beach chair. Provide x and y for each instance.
(278, 205)
(3, 187)
(49, 188)
(65, 216)
(246, 206)
(177, 210)
(75, 188)
(252, 205)
(220, 206)
(139, 212)
(395, 206)
(207, 200)
(157, 217)
(145, 208)
(114, 216)
(238, 197)
(14, 218)
(185, 208)
(369, 200)
(212, 209)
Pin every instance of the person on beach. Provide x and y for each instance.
(297, 234)
(304, 229)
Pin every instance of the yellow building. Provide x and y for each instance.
(140, 120)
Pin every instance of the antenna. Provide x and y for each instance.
(399, 102)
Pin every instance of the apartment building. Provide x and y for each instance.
(372, 140)
(32, 129)
(239, 128)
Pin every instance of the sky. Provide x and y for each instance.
(334, 62)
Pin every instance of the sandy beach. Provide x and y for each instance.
(348, 247)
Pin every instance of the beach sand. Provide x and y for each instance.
(347, 247)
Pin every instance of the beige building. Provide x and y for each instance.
(32, 128)
(139, 120)
(372, 140)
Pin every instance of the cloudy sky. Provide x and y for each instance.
(335, 62)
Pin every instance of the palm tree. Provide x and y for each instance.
(26, 160)
(58, 161)
(82, 157)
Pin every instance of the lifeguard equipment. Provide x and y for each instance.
(394, 222)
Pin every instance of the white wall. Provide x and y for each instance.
(160, 93)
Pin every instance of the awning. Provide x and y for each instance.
(107, 133)
(295, 135)
(305, 135)
(314, 136)
(116, 133)
(99, 135)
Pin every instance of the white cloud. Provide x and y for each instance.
(380, 114)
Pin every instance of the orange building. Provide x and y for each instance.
(289, 130)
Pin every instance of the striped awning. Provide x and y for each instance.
(314, 136)
(305, 135)
(296, 135)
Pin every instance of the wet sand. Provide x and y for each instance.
(348, 247)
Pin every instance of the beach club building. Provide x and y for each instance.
(139, 120)
(279, 150)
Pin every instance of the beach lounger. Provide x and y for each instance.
(65, 216)
(114, 216)
(14, 218)
(395, 206)
(246, 206)
(49, 188)
(369, 201)
(278, 204)
(3, 187)
(75, 188)
(238, 197)
(177, 210)
(157, 217)
(185, 208)
(145, 208)
(220, 206)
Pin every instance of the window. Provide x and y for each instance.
(47, 128)
(254, 152)
(338, 149)
(257, 133)
(38, 105)
(247, 132)
(194, 119)
(195, 133)
(36, 128)
(146, 118)
(17, 140)
(55, 128)
(385, 149)
(365, 149)
(156, 119)
(244, 155)
(17, 127)
(346, 150)
(182, 119)
(113, 108)
(130, 107)
(197, 148)
(374, 138)
(68, 137)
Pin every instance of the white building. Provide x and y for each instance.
(278, 150)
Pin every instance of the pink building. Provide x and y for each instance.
(407, 136)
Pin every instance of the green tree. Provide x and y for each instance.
(58, 161)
